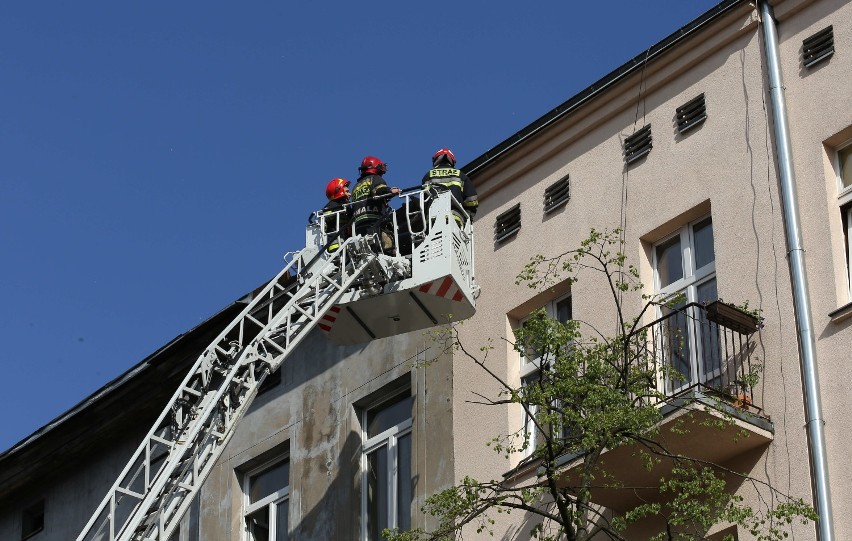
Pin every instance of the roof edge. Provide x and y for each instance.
(637, 63)
(114, 384)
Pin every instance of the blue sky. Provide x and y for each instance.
(158, 159)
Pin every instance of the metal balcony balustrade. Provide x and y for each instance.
(696, 349)
(698, 361)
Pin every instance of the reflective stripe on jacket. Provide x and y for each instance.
(369, 186)
(458, 183)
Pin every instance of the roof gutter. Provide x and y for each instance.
(629, 68)
(798, 277)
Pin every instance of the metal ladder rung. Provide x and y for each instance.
(130, 492)
(192, 391)
(220, 387)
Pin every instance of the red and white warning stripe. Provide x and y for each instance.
(445, 288)
(331, 317)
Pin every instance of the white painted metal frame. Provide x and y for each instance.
(688, 284)
(530, 366)
(166, 471)
(844, 201)
(155, 488)
(387, 438)
(271, 501)
(528, 370)
(849, 248)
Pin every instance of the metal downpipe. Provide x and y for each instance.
(801, 299)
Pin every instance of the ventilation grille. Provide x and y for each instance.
(434, 249)
(691, 114)
(459, 249)
(637, 145)
(818, 47)
(508, 224)
(557, 194)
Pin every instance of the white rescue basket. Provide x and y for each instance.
(433, 285)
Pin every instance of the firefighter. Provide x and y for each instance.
(336, 223)
(444, 176)
(369, 202)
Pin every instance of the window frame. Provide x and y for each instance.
(389, 437)
(692, 277)
(844, 193)
(529, 369)
(271, 501)
(844, 204)
(847, 210)
(689, 283)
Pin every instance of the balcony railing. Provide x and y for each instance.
(698, 347)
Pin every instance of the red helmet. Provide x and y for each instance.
(373, 166)
(336, 188)
(446, 154)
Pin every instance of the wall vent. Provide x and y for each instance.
(637, 145)
(691, 114)
(508, 223)
(557, 194)
(818, 47)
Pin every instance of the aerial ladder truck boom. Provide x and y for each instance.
(355, 294)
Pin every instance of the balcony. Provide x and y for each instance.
(707, 349)
(704, 358)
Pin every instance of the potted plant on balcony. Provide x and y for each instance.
(740, 389)
(742, 401)
(737, 318)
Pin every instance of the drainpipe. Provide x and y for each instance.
(799, 279)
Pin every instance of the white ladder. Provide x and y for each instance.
(167, 470)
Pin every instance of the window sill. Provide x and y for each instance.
(842, 313)
(526, 467)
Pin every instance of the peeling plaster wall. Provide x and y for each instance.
(313, 417)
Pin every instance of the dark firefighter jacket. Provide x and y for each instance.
(458, 183)
(335, 225)
(366, 210)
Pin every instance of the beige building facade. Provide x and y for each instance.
(677, 148)
(714, 184)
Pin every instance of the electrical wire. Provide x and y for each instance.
(625, 174)
(777, 293)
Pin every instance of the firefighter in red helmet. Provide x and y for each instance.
(444, 176)
(335, 216)
(369, 205)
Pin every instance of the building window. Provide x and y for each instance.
(844, 188)
(267, 492)
(531, 365)
(386, 466)
(32, 520)
(844, 168)
(685, 265)
(847, 231)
